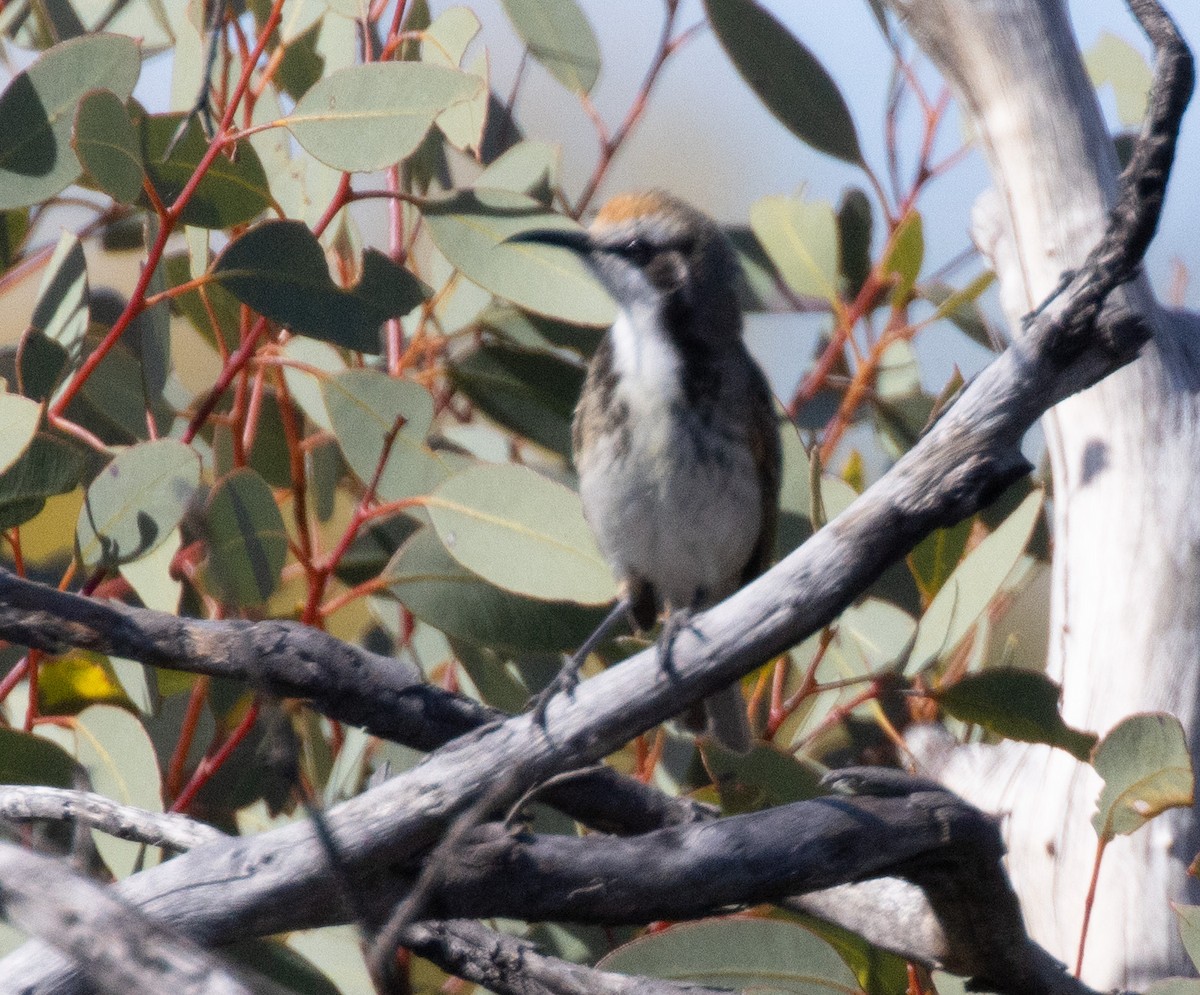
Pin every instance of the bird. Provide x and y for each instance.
(675, 436)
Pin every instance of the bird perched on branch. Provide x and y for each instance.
(675, 435)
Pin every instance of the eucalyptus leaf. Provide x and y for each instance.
(972, 586)
(135, 502)
(369, 117)
(786, 76)
(522, 532)
(1147, 769)
(801, 240)
(438, 590)
(559, 36)
(1015, 704)
(108, 145)
(472, 229)
(530, 393)
(19, 420)
(366, 408)
(37, 110)
(755, 954)
(233, 190)
(247, 539)
(278, 268)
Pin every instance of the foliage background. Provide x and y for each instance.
(143, 737)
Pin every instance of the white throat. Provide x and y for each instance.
(644, 357)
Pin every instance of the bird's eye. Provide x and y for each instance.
(637, 250)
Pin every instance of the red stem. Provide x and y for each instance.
(210, 765)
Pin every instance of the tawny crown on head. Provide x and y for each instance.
(654, 207)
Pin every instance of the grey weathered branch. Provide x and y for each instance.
(509, 966)
(275, 881)
(347, 683)
(21, 803)
(1124, 626)
(117, 948)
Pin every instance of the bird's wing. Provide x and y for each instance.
(768, 462)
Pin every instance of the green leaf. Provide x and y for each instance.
(530, 393)
(247, 539)
(755, 954)
(70, 683)
(1114, 61)
(904, 257)
(1189, 930)
(14, 227)
(108, 145)
(369, 117)
(19, 419)
(365, 407)
(801, 240)
(37, 110)
(961, 307)
(1147, 769)
(936, 556)
(530, 167)
(135, 502)
(786, 76)
(763, 778)
(233, 191)
(1015, 704)
(449, 597)
(289, 970)
(522, 532)
(62, 308)
(29, 759)
(471, 228)
(854, 240)
(49, 466)
(534, 333)
(444, 43)
(559, 36)
(278, 268)
(113, 747)
(975, 581)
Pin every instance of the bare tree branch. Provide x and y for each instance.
(117, 948)
(268, 882)
(508, 966)
(21, 803)
(342, 681)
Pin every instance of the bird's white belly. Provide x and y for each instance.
(673, 502)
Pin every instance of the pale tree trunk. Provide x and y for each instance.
(1125, 614)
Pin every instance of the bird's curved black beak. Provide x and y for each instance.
(567, 238)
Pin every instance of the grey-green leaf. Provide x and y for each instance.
(530, 393)
(786, 76)
(1147, 769)
(365, 407)
(278, 268)
(37, 110)
(560, 38)
(1016, 704)
(135, 502)
(522, 532)
(755, 954)
(48, 467)
(234, 189)
(370, 117)
(471, 228)
(970, 588)
(108, 145)
(431, 584)
(247, 539)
